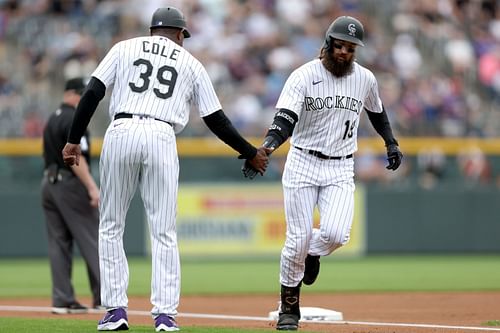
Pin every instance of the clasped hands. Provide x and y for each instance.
(258, 164)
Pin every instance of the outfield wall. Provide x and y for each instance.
(235, 216)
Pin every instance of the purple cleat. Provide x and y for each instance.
(114, 320)
(165, 323)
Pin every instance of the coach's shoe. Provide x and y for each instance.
(74, 308)
(311, 271)
(289, 313)
(114, 320)
(165, 323)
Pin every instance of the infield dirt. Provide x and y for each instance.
(470, 309)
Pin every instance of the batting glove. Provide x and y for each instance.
(394, 156)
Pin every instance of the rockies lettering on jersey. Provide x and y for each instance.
(312, 93)
(341, 102)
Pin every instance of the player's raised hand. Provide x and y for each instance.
(71, 154)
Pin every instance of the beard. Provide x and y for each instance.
(337, 68)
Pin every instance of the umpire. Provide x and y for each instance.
(70, 199)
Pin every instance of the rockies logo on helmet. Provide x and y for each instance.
(352, 29)
(345, 28)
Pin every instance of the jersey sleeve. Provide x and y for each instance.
(292, 95)
(106, 69)
(66, 119)
(204, 96)
(373, 102)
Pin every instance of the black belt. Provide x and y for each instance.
(319, 154)
(55, 174)
(130, 115)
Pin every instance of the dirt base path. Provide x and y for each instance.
(377, 311)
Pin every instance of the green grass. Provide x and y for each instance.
(31, 278)
(20, 325)
(492, 323)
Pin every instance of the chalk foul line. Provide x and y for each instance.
(13, 308)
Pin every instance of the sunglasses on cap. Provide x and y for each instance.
(339, 46)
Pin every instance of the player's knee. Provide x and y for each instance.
(335, 240)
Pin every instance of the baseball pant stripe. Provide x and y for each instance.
(158, 188)
(119, 178)
(299, 230)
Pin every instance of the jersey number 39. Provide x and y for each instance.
(166, 76)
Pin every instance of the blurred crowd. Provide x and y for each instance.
(437, 61)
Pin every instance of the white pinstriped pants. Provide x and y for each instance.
(310, 182)
(139, 152)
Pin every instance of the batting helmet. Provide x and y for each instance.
(169, 17)
(345, 28)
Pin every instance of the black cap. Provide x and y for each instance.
(77, 84)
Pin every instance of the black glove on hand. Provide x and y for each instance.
(248, 170)
(394, 156)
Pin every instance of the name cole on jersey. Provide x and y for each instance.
(155, 48)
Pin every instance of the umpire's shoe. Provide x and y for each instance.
(311, 271)
(289, 314)
(74, 308)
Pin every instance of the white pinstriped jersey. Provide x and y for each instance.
(328, 107)
(154, 76)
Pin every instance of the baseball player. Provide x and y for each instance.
(320, 107)
(155, 82)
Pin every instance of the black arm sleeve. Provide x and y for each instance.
(280, 130)
(382, 125)
(93, 94)
(221, 126)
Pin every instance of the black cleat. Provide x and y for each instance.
(289, 313)
(287, 322)
(73, 308)
(311, 271)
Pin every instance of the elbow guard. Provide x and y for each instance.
(281, 128)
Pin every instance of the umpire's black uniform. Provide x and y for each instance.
(68, 212)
